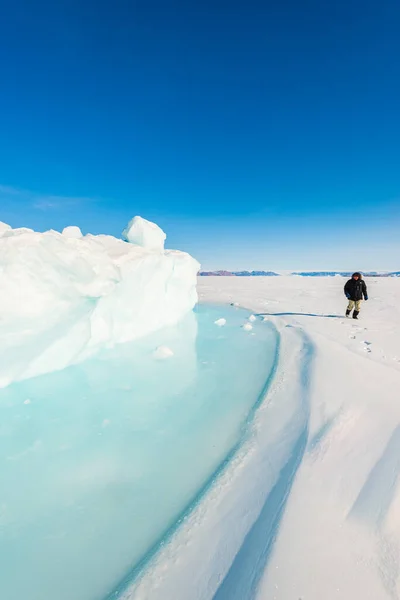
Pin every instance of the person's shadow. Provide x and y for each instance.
(299, 314)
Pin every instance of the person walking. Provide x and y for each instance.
(355, 289)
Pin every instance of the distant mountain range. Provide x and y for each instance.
(301, 274)
(238, 274)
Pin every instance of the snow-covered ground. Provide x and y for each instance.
(340, 533)
(310, 507)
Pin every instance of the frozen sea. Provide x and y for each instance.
(100, 462)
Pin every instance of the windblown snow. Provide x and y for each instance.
(309, 507)
(65, 296)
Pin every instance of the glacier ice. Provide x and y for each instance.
(144, 233)
(3, 228)
(72, 232)
(64, 297)
(110, 453)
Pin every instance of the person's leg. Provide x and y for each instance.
(357, 309)
(350, 307)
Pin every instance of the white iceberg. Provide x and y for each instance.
(4, 228)
(144, 233)
(72, 232)
(64, 297)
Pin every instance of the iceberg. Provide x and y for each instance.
(144, 233)
(72, 231)
(63, 297)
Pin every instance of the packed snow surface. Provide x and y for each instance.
(338, 536)
(65, 296)
(100, 460)
(308, 508)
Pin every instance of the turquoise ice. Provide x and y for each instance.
(98, 462)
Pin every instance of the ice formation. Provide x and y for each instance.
(72, 232)
(63, 297)
(220, 322)
(144, 233)
(247, 327)
(4, 227)
(99, 460)
(252, 318)
(163, 352)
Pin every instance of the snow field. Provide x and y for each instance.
(338, 537)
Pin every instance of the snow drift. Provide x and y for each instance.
(65, 296)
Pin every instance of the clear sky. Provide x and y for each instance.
(257, 133)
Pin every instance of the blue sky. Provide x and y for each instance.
(258, 134)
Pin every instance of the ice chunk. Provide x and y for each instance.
(14, 232)
(252, 318)
(62, 299)
(163, 352)
(144, 233)
(220, 322)
(72, 232)
(247, 327)
(3, 228)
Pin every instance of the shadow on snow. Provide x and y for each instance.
(244, 576)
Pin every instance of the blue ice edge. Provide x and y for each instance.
(140, 566)
(244, 575)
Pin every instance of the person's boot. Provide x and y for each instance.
(348, 312)
(355, 314)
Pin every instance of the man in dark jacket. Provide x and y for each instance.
(355, 289)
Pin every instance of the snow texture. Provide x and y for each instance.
(337, 532)
(309, 507)
(64, 297)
